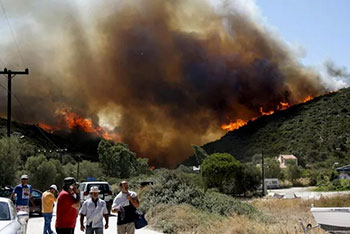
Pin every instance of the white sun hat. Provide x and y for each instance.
(94, 189)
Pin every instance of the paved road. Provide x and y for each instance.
(36, 224)
(304, 193)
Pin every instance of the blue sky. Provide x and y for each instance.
(321, 27)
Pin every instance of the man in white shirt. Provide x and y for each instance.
(125, 203)
(94, 209)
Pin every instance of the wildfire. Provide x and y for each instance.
(233, 126)
(266, 113)
(72, 120)
(308, 98)
(283, 106)
(239, 122)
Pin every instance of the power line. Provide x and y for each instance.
(40, 130)
(13, 34)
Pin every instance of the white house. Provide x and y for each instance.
(283, 158)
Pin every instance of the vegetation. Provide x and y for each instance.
(182, 201)
(9, 158)
(117, 160)
(219, 169)
(293, 173)
(199, 154)
(272, 169)
(177, 204)
(44, 168)
(315, 132)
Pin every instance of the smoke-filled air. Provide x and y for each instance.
(159, 75)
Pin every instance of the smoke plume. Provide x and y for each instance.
(161, 74)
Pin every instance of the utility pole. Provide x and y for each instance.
(262, 174)
(79, 157)
(10, 75)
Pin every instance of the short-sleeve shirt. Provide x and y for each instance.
(126, 213)
(66, 215)
(47, 201)
(94, 212)
(23, 192)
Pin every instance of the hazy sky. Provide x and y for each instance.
(320, 27)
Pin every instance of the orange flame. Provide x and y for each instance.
(48, 128)
(232, 126)
(308, 98)
(266, 113)
(72, 120)
(283, 106)
(239, 122)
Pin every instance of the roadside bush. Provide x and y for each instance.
(222, 204)
(170, 188)
(175, 189)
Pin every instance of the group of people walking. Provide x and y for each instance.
(92, 211)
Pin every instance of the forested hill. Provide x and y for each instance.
(317, 132)
(33, 138)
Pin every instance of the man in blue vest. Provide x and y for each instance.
(23, 194)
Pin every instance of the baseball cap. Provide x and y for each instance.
(69, 181)
(24, 177)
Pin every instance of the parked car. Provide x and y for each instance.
(36, 193)
(6, 192)
(104, 187)
(11, 222)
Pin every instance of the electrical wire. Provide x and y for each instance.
(40, 130)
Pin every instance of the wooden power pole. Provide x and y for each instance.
(262, 174)
(10, 75)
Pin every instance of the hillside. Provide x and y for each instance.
(37, 139)
(317, 132)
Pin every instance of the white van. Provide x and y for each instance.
(272, 183)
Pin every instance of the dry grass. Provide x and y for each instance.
(281, 216)
(182, 219)
(285, 214)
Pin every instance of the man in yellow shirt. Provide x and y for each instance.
(47, 202)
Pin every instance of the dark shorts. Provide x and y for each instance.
(64, 230)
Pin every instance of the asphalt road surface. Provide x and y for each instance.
(304, 193)
(36, 226)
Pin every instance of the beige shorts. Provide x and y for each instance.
(22, 208)
(128, 228)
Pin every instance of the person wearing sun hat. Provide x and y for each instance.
(94, 209)
(48, 199)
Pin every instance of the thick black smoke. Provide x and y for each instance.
(162, 74)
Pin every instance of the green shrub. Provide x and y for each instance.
(9, 157)
(219, 169)
(222, 204)
(176, 188)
